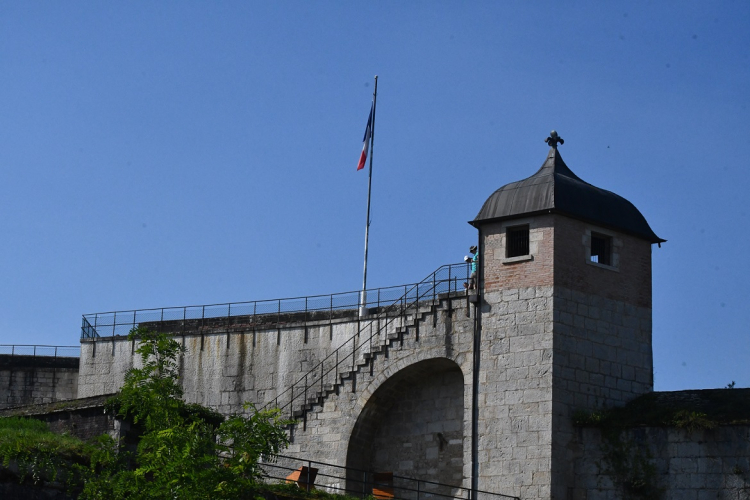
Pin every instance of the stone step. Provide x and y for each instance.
(348, 373)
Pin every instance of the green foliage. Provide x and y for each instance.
(185, 451)
(593, 419)
(151, 395)
(629, 465)
(39, 454)
(715, 406)
(244, 440)
(692, 420)
(625, 461)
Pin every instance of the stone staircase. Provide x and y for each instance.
(392, 330)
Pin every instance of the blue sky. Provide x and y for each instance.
(176, 153)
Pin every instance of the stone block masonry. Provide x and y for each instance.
(515, 391)
(26, 380)
(559, 334)
(688, 465)
(402, 411)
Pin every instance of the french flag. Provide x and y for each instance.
(366, 140)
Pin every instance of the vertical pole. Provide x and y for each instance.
(363, 299)
(434, 287)
(229, 320)
(475, 373)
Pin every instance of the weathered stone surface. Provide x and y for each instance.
(688, 464)
(26, 380)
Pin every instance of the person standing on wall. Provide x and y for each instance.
(472, 284)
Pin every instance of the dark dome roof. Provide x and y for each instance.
(555, 188)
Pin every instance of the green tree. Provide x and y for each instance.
(185, 451)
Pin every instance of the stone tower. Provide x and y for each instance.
(564, 322)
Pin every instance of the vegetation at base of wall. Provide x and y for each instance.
(35, 454)
(628, 463)
(691, 410)
(618, 418)
(184, 451)
(42, 456)
(627, 460)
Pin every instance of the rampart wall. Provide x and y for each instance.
(399, 404)
(678, 464)
(26, 380)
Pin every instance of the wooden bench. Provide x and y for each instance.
(301, 476)
(382, 485)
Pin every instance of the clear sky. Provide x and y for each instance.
(177, 153)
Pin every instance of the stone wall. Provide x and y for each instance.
(223, 370)
(689, 465)
(515, 392)
(28, 380)
(409, 398)
(560, 333)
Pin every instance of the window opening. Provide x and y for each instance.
(518, 241)
(601, 249)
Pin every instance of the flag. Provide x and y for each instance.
(366, 141)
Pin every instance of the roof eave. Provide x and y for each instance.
(653, 239)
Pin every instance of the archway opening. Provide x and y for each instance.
(412, 426)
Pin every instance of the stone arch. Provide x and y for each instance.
(412, 425)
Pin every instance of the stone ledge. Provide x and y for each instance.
(54, 407)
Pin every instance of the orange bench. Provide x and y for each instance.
(382, 485)
(301, 476)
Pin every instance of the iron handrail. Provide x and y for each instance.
(408, 485)
(39, 350)
(385, 317)
(112, 323)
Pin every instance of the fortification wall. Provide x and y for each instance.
(223, 369)
(26, 380)
(687, 465)
(422, 361)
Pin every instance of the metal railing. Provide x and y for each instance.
(359, 349)
(236, 316)
(62, 351)
(360, 483)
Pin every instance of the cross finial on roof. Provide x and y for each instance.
(553, 139)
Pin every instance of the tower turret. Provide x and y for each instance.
(565, 315)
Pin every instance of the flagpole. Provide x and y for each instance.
(363, 299)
